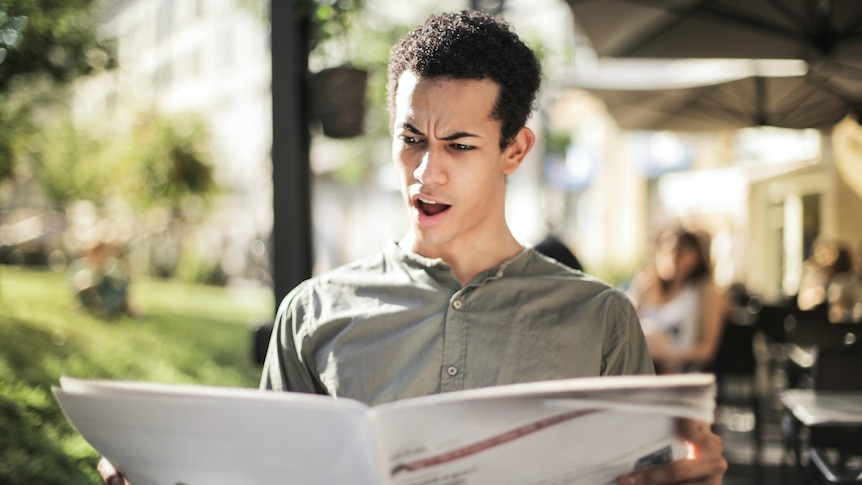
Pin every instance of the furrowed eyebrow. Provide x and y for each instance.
(411, 129)
(454, 136)
(459, 135)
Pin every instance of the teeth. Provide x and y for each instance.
(427, 201)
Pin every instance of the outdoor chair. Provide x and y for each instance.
(734, 366)
(735, 369)
(808, 332)
(770, 321)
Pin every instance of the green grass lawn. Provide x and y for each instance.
(185, 334)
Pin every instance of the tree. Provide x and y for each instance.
(48, 37)
(161, 162)
(40, 39)
(161, 170)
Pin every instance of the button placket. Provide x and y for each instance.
(454, 344)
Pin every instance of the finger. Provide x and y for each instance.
(105, 468)
(704, 464)
(695, 471)
(117, 480)
(110, 474)
(706, 450)
(692, 430)
(700, 437)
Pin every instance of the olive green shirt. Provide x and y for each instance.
(398, 325)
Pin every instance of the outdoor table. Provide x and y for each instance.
(830, 417)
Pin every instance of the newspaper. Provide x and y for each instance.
(573, 431)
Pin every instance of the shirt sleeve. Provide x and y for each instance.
(284, 368)
(625, 349)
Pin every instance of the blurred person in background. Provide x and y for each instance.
(680, 307)
(828, 258)
(829, 265)
(844, 290)
(101, 280)
(554, 248)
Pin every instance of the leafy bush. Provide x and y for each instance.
(160, 162)
(186, 334)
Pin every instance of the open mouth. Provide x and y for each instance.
(430, 208)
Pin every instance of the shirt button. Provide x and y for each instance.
(452, 370)
(457, 304)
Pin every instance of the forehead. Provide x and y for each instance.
(444, 98)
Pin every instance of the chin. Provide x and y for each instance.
(429, 239)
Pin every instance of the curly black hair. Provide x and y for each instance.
(472, 44)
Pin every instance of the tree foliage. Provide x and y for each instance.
(40, 40)
(50, 37)
(160, 162)
(7, 121)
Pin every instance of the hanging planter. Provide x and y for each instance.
(338, 100)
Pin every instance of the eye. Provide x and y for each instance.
(409, 140)
(462, 147)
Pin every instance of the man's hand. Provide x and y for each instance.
(110, 474)
(705, 464)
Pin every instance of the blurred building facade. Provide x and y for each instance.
(210, 58)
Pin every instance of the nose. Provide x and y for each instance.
(431, 170)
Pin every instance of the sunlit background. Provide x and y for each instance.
(195, 75)
(144, 128)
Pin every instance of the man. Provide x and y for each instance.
(458, 302)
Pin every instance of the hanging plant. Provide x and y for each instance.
(338, 91)
(338, 100)
(330, 19)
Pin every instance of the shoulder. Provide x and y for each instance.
(332, 282)
(576, 291)
(706, 289)
(367, 267)
(542, 267)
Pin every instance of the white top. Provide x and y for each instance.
(678, 318)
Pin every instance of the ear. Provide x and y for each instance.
(517, 151)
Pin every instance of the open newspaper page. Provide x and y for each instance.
(197, 435)
(575, 431)
(582, 431)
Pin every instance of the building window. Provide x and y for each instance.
(225, 48)
(163, 76)
(196, 62)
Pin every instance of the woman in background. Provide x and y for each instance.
(679, 304)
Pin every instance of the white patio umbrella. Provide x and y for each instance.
(696, 95)
(811, 30)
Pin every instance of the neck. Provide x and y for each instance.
(471, 258)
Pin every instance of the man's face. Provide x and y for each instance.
(446, 150)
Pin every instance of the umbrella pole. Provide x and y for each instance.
(760, 100)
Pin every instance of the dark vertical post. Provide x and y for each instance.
(291, 174)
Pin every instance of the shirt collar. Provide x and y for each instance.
(441, 271)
